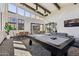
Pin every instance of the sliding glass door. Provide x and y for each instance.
(37, 28)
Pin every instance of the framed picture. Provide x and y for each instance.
(71, 23)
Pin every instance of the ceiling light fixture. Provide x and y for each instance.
(36, 8)
(75, 3)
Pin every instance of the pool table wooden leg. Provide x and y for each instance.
(66, 54)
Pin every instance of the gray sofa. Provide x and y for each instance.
(6, 47)
(76, 44)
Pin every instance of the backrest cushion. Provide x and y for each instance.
(3, 35)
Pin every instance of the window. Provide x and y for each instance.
(20, 24)
(13, 22)
(20, 11)
(12, 8)
(41, 27)
(27, 14)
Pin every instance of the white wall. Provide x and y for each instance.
(70, 12)
(28, 21)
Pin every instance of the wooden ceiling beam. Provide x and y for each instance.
(58, 7)
(43, 8)
(32, 9)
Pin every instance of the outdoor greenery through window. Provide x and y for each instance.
(13, 22)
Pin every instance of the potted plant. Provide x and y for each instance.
(8, 28)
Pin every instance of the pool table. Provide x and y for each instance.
(57, 45)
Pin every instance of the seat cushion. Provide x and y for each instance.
(73, 51)
(76, 44)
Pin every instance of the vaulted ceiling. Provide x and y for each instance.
(45, 9)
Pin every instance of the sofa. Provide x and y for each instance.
(6, 45)
(76, 44)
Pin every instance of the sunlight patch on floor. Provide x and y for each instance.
(19, 46)
(20, 49)
(21, 53)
